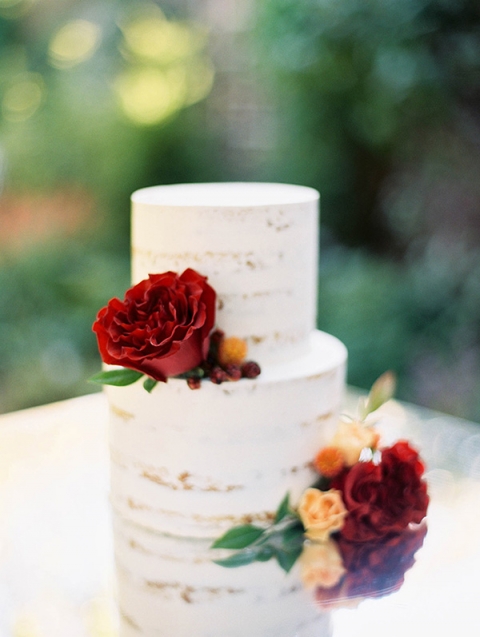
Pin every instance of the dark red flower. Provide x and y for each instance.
(383, 499)
(161, 328)
(373, 569)
(377, 568)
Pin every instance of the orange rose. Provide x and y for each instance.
(321, 512)
(351, 438)
(321, 565)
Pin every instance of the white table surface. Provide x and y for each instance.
(56, 562)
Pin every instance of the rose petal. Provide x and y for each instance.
(161, 328)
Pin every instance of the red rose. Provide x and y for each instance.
(383, 499)
(373, 569)
(161, 328)
(377, 568)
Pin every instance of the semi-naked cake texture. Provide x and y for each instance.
(169, 587)
(187, 465)
(196, 462)
(257, 243)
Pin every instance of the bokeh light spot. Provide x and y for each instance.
(161, 41)
(74, 43)
(167, 68)
(149, 95)
(23, 97)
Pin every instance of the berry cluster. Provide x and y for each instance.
(225, 362)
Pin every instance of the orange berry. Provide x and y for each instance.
(232, 350)
(329, 462)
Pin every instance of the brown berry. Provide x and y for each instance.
(234, 372)
(194, 382)
(250, 369)
(218, 375)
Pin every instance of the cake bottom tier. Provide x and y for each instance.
(194, 463)
(170, 587)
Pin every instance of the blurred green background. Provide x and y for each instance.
(376, 104)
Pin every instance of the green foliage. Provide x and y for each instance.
(238, 537)
(418, 319)
(120, 378)
(283, 509)
(77, 131)
(149, 384)
(283, 541)
(48, 301)
(382, 390)
(356, 83)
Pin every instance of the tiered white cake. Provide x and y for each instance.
(169, 587)
(193, 463)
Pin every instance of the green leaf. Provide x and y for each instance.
(293, 536)
(287, 559)
(323, 483)
(117, 377)
(282, 540)
(283, 509)
(383, 389)
(196, 372)
(239, 537)
(149, 384)
(238, 559)
(264, 553)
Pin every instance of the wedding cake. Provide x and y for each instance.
(188, 464)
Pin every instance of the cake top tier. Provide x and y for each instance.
(257, 244)
(225, 195)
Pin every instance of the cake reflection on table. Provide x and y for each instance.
(168, 585)
(367, 570)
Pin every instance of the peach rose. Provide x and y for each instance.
(351, 438)
(321, 512)
(321, 565)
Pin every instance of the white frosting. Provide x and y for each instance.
(256, 243)
(196, 462)
(189, 464)
(171, 586)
